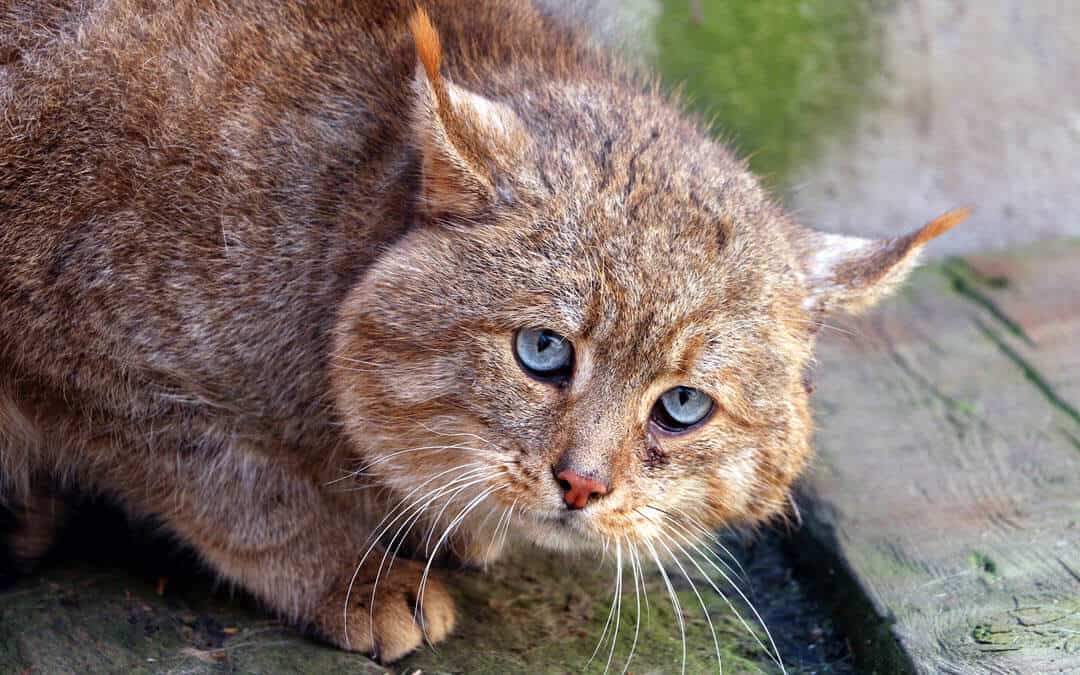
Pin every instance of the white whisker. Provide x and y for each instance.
(446, 534)
(675, 605)
(618, 602)
(635, 568)
(774, 653)
(607, 624)
(479, 452)
(402, 532)
(506, 528)
(498, 525)
(706, 534)
(376, 535)
(701, 601)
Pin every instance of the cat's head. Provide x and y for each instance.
(599, 318)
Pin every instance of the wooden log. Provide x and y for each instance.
(948, 474)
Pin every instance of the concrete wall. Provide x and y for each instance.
(980, 106)
(974, 102)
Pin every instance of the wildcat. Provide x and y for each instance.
(308, 282)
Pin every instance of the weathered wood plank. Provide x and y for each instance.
(948, 476)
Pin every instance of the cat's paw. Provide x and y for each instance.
(399, 620)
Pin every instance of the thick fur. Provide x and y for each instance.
(261, 265)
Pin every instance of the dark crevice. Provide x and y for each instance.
(966, 282)
(872, 639)
(1031, 373)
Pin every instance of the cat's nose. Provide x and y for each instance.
(577, 489)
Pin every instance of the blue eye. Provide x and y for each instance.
(543, 353)
(681, 408)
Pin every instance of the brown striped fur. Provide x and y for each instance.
(249, 247)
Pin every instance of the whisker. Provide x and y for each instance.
(506, 528)
(431, 530)
(498, 525)
(453, 434)
(713, 539)
(447, 532)
(409, 523)
(675, 605)
(704, 550)
(618, 602)
(495, 530)
(706, 534)
(429, 448)
(376, 535)
(636, 570)
(774, 654)
(607, 624)
(701, 601)
(404, 504)
(644, 594)
(357, 361)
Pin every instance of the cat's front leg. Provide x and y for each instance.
(299, 546)
(37, 518)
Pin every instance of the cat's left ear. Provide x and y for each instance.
(851, 273)
(469, 144)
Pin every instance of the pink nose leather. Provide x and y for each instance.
(578, 490)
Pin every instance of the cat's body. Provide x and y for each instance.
(246, 248)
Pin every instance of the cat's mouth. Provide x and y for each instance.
(567, 518)
(564, 530)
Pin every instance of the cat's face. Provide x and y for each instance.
(449, 344)
(607, 330)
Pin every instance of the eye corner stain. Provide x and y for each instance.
(655, 457)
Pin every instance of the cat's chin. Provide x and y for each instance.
(564, 532)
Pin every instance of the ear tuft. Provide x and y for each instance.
(428, 45)
(940, 225)
(470, 145)
(851, 273)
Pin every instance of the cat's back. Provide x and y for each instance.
(188, 189)
(168, 174)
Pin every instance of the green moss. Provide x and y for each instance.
(779, 77)
(536, 613)
(551, 619)
(1049, 625)
(983, 563)
(94, 620)
(983, 634)
(968, 283)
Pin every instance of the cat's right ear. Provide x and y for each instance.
(469, 144)
(849, 274)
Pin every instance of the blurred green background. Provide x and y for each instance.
(870, 117)
(777, 77)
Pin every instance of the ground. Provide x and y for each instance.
(116, 598)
